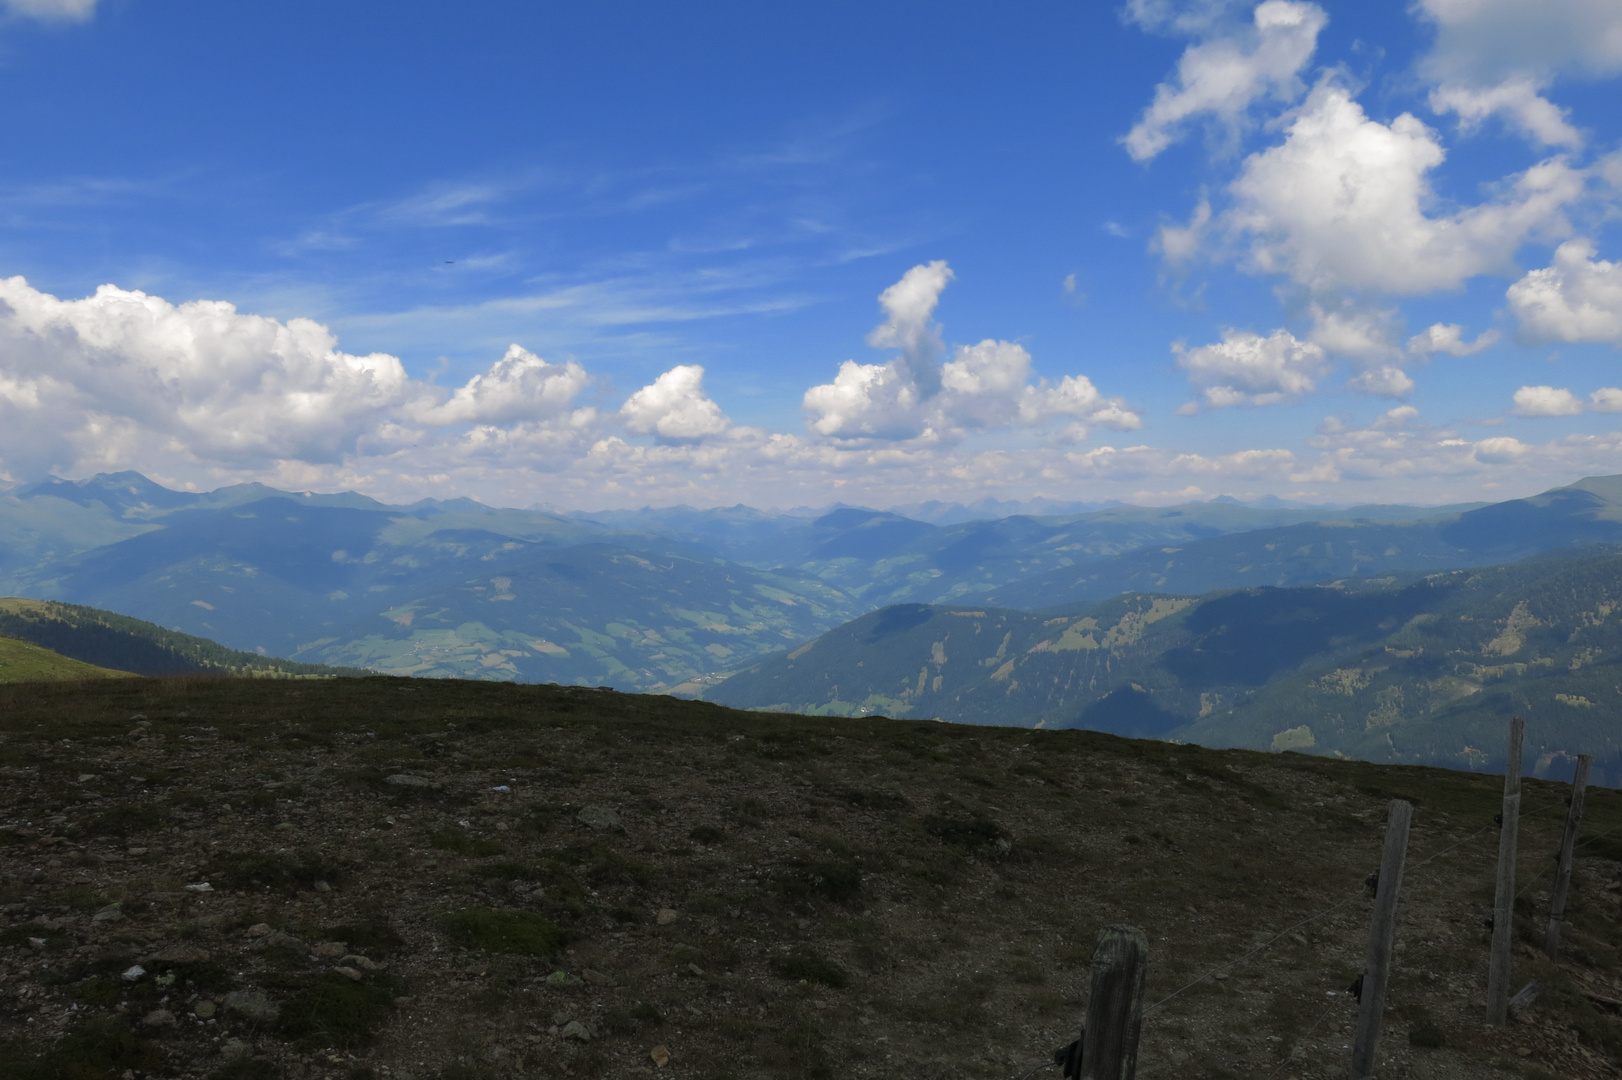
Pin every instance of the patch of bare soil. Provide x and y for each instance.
(433, 880)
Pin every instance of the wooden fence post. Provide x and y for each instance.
(1503, 908)
(1115, 1007)
(1382, 940)
(1562, 877)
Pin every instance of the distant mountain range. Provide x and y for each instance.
(675, 600)
(433, 588)
(1427, 669)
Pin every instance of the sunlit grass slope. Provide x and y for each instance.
(23, 661)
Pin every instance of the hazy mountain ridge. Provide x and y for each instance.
(1423, 671)
(1372, 541)
(672, 599)
(591, 612)
(1022, 561)
(350, 581)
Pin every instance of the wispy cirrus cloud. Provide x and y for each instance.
(1221, 77)
(51, 10)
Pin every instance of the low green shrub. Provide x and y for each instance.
(97, 1049)
(335, 1010)
(518, 933)
(834, 880)
(247, 1068)
(464, 843)
(963, 831)
(811, 968)
(372, 937)
(270, 870)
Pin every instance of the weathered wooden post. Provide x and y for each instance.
(1115, 1007)
(1382, 940)
(1562, 877)
(1503, 908)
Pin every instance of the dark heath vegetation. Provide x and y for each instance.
(333, 879)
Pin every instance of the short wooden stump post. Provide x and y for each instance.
(1568, 844)
(1115, 1007)
(1382, 941)
(1499, 962)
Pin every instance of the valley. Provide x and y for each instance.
(1380, 632)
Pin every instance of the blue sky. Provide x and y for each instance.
(630, 253)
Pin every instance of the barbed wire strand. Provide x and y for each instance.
(1421, 864)
(1326, 911)
(1264, 946)
(1597, 836)
(1578, 846)
(1289, 1059)
(1259, 948)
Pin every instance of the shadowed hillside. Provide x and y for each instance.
(23, 661)
(106, 639)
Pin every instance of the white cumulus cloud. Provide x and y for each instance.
(873, 400)
(1178, 244)
(1605, 399)
(674, 406)
(1501, 56)
(1340, 205)
(1487, 41)
(1520, 102)
(1382, 380)
(1557, 401)
(909, 307)
(1546, 401)
(124, 379)
(519, 386)
(1500, 450)
(227, 385)
(1247, 369)
(986, 386)
(1449, 338)
(1368, 337)
(1355, 331)
(1222, 77)
(1576, 298)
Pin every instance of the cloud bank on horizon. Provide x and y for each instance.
(1356, 266)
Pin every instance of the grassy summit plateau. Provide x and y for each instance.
(437, 880)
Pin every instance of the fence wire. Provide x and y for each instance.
(1264, 946)
(1259, 948)
(1340, 999)
(1289, 1059)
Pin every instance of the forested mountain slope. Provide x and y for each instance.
(83, 637)
(1423, 670)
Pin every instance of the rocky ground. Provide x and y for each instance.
(427, 880)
